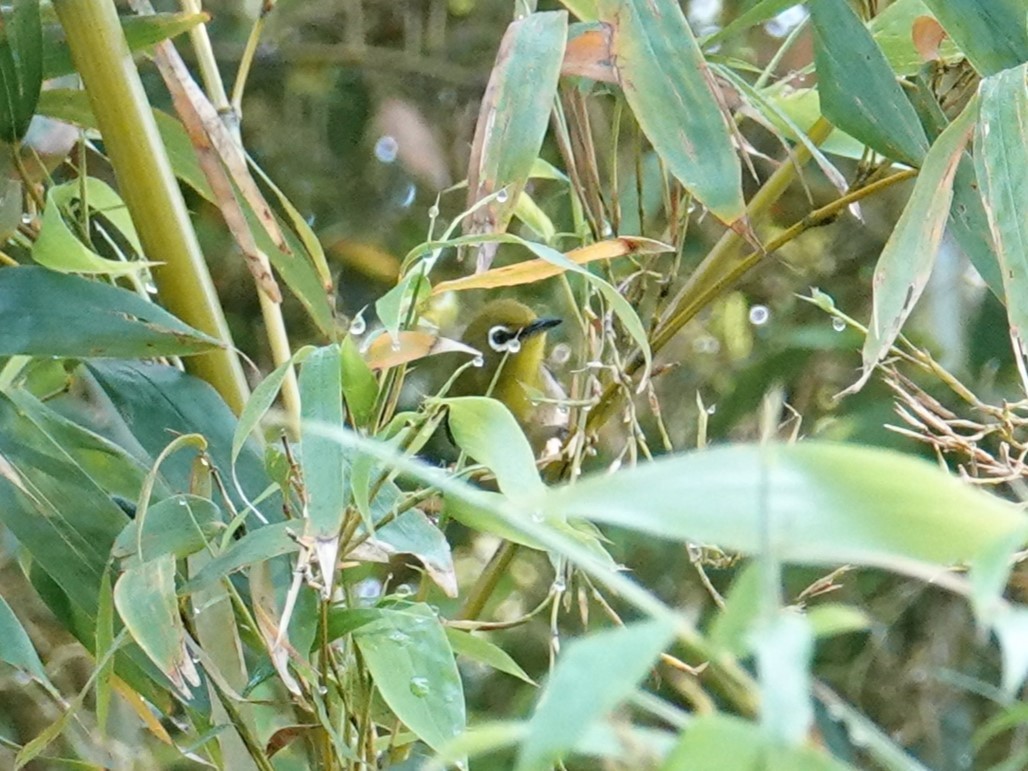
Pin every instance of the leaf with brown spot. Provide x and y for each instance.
(512, 120)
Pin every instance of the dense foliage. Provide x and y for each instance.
(267, 503)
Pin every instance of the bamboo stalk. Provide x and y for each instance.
(148, 186)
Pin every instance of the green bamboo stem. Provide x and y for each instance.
(148, 186)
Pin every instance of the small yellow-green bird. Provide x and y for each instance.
(512, 339)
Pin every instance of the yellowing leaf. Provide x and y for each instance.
(530, 271)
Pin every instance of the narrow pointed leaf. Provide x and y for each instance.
(817, 502)
(906, 262)
(324, 463)
(1001, 164)
(858, 89)
(672, 94)
(514, 115)
(44, 313)
(145, 599)
(21, 69)
(16, 648)
(577, 694)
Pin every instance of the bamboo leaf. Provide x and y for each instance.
(513, 118)
(992, 34)
(858, 90)
(676, 101)
(906, 262)
(1001, 163)
(44, 313)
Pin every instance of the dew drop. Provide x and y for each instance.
(838, 324)
(712, 409)
(396, 345)
(606, 231)
(502, 196)
(150, 287)
(514, 345)
(420, 687)
(182, 502)
(386, 149)
(433, 211)
(358, 326)
(759, 315)
(478, 361)
(559, 585)
(537, 517)
(404, 590)
(399, 637)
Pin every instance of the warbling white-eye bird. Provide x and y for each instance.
(512, 339)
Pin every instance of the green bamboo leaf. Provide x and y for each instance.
(104, 645)
(575, 696)
(44, 313)
(906, 262)
(412, 666)
(259, 545)
(970, 226)
(670, 90)
(758, 13)
(514, 115)
(815, 502)
(156, 402)
(487, 431)
(784, 647)
(360, 388)
(992, 34)
(325, 464)
(262, 398)
(57, 246)
(481, 650)
(57, 512)
(706, 740)
(1001, 164)
(145, 598)
(140, 32)
(858, 90)
(16, 648)
(180, 525)
(21, 69)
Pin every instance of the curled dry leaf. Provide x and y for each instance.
(530, 271)
(412, 345)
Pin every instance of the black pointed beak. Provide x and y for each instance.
(538, 326)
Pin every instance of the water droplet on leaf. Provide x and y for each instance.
(420, 687)
(759, 315)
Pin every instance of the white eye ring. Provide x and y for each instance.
(503, 340)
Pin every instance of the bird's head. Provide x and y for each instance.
(509, 334)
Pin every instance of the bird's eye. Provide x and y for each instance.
(500, 338)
